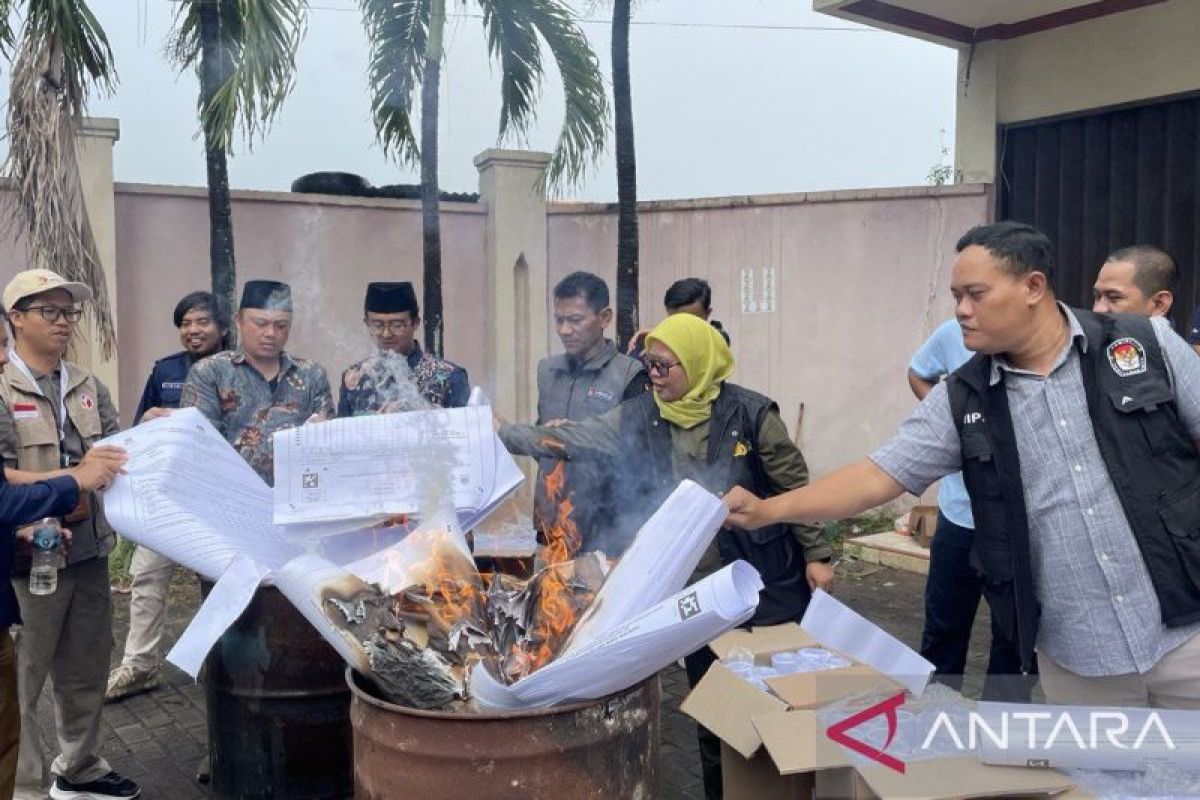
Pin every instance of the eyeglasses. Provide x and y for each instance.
(655, 367)
(52, 313)
(391, 326)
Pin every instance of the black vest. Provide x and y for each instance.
(648, 479)
(1147, 451)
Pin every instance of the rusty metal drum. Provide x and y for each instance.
(604, 749)
(278, 708)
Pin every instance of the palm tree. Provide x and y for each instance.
(61, 56)
(627, 222)
(244, 52)
(405, 38)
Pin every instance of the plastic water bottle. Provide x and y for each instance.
(43, 575)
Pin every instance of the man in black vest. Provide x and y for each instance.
(1076, 434)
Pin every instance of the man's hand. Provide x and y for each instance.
(820, 576)
(99, 467)
(558, 423)
(155, 413)
(745, 510)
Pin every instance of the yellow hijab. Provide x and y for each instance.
(705, 357)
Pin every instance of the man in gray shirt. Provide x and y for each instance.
(586, 380)
(1095, 532)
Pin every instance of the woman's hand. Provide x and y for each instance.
(820, 576)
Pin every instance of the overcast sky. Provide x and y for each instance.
(730, 97)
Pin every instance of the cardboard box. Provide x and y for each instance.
(775, 748)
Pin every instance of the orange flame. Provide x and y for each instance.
(562, 535)
(558, 607)
(451, 586)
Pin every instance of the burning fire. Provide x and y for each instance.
(562, 535)
(445, 604)
(559, 593)
(445, 586)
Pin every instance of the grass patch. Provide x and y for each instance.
(119, 561)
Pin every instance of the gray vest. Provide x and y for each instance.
(578, 392)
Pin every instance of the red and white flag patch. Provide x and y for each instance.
(25, 411)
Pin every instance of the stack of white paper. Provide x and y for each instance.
(658, 563)
(189, 496)
(370, 467)
(629, 653)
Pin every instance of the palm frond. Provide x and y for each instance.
(585, 117)
(80, 59)
(513, 42)
(60, 57)
(8, 38)
(397, 32)
(258, 42)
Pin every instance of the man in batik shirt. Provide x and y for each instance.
(400, 377)
(252, 392)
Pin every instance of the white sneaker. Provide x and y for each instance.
(125, 681)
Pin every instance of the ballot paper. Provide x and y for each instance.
(391, 568)
(189, 496)
(838, 627)
(391, 464)
(658, 563)
(304, 580)
(625, 654)
(1083, 737)
(224, 604)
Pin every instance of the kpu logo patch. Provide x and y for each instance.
(1127, 357)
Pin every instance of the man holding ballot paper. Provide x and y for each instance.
(250, 394)
(1076, 434)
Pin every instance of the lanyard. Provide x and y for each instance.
(62, 397)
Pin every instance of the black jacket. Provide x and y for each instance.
(165, 383)
(737, 416)
(1148, 452)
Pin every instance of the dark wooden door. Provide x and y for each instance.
(1099, 181)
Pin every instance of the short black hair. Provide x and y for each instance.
(204, 301)
(1154, 270)
(1022, 248)
(590, 287)
(686, 291)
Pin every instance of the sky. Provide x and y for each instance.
(730, 97)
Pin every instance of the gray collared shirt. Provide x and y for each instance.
(1100, 615)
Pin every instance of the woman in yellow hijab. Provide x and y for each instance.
(688, 360)
(697, 425)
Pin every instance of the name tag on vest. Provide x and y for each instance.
(25, 411)
(594, 393)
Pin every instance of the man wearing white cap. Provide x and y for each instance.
(51, 413)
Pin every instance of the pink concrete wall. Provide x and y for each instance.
(327, 248)
(862, 278)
